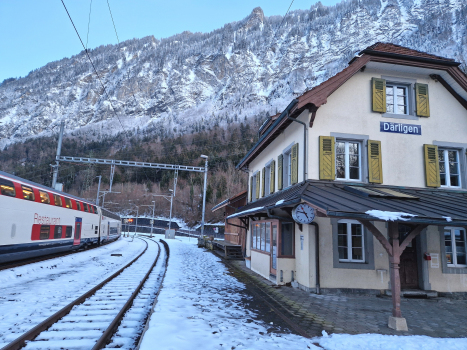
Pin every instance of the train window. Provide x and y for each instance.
(96, 230)
(68, 203)
(78, 205)
(68, 232)
(58, 232)
(95, 209)
(45, 232)
(86, 209)
(44, 197)
(7, 188)
(28, 193)
(58, 200)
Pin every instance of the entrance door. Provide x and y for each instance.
(408, 265)
(274, 248)
(77, 237)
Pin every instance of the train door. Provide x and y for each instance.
(78, 225)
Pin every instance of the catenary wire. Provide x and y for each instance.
(89, 22)
(95, 70)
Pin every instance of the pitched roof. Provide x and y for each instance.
(228, 201)
(430, 206)
(378, 52)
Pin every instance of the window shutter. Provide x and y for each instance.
(280, 175)
(432, 166)
(327, 158)
(375, 166)
(379, 95)
(251, 189)
(421, 97)
(257, 185)
(272, 176)
(263, 180)
(294, 166)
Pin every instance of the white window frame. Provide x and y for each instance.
(267, 179)
(349, 241)
(394, 95)
(287, 167)
(347, 158)
(446, 167)
(453, 246)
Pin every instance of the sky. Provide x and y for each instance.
(33, 32)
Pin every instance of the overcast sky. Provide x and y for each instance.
(35, 32)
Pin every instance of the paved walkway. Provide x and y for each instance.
(309, 313)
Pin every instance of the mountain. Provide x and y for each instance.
(191, 81)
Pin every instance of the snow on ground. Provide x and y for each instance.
(388, 342)
(200, 307)
(32, 292)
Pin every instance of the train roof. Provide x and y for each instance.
(109, 214)
(48, 189)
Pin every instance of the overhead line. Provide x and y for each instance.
(95, 70)
(89, 22)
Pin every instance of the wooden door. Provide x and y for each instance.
(408, 265)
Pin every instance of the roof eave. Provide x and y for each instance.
(410, 58)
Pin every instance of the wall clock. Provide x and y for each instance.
(303, 213)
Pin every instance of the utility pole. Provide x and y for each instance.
(59, 150)
(204, 192)
(171, 201)
(136, 223)
(152, 221)
(98, 190)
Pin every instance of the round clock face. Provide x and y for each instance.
(303, 213)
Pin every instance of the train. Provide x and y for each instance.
(38, 220)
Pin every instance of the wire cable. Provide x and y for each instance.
(89, 22)
(95, 70)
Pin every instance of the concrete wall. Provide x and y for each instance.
(260, 263)
(348, 110)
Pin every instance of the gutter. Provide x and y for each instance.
(278, 120)
(305, 138)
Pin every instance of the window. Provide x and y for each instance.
(68, 203)
(287, 168)
(28, 193)
(96, 230)
(455, 246)
(7, 188)
(57, 200)
(95, 209)
(86, 209)
(45, 232)
(348, 160)
(286, 239)
(58, 232)
(253, 187)
(350, 241)
(449, 169)
(267, 180)
(78, 205)
(68, 232)
(44, 197)
(397, 101)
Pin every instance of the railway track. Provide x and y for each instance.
(111, 315)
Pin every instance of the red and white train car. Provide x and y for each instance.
(38, 220)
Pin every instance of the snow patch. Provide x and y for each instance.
(245, 211)
(390, 215)
(448, 218)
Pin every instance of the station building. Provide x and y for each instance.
(360, 183)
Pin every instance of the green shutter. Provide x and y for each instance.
(280, 175)
(421, 97)
(432, 166)
(294, 166)
(272, 178)
(263, 180)
(327, 158)
(251, 189)
(258, 184)
(378, 95)
(375, 166)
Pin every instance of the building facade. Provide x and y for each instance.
(378, 152)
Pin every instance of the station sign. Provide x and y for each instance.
(400, 128)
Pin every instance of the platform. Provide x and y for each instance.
(228, 250)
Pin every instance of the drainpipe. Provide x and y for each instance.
(305, 137)
(316, 256)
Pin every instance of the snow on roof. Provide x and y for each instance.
(243, 212)
(389, 215)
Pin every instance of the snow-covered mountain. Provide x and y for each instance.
(248, 68)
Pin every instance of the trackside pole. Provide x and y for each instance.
(204, 192)
(59, 150)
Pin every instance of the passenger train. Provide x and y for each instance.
(38, 220)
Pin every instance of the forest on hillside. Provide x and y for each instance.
(224, 146)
